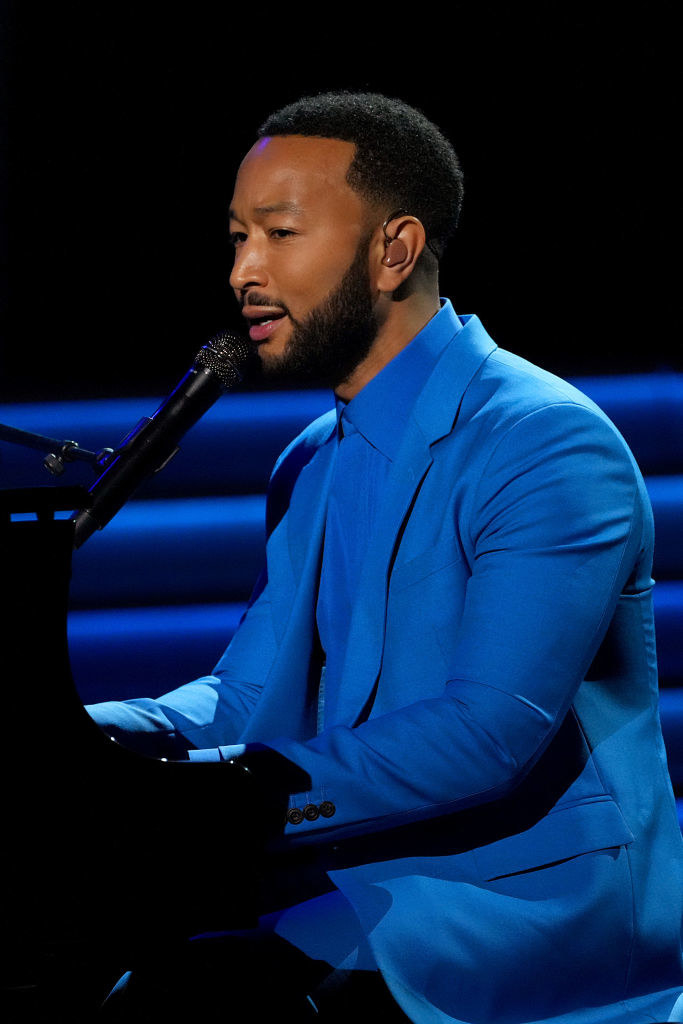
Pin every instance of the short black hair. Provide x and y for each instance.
(402, 159)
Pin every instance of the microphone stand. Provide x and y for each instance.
(58, 452)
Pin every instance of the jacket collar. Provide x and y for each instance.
(382, 408)
(437, 407)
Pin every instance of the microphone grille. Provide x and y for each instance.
(225, 355)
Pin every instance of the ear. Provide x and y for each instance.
(395, 254)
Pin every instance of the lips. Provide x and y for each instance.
(263, 321)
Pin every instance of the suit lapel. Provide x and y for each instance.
(366, 634)
(286, 706)
(433, 417)
(294, 548)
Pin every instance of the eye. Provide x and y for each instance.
(237, 238)
(281, 233)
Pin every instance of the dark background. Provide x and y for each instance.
(124, 126)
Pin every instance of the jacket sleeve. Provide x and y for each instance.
(555, 526)
(214, 709)
(207, 711)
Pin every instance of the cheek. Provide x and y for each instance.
(306, 279)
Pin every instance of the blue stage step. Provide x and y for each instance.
(233, 447)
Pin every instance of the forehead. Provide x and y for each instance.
(306, 173)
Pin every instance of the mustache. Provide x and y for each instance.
(252, 299)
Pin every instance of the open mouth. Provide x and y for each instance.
(262, 323)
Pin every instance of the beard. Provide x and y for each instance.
(328, 344)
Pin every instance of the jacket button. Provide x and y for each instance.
(327, 808)
(295, 815)
(311, 812)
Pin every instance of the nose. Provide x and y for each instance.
(248, 270)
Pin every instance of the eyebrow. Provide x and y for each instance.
(284, 207)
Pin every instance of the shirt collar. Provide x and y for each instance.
(380, 410)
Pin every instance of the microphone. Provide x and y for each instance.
(152, 443)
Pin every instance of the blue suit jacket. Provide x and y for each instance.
(504, 824)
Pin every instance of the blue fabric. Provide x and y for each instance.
(369, 431)
(381, 410)
(505, 828)
(359, 474)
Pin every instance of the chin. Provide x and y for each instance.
(274, 362)
(275, 347)
(270, 354)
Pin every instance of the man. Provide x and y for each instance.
(453, 637)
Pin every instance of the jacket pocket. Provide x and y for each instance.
(566, 832)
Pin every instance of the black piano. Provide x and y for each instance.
(105, 851)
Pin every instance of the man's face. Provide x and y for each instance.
(301, 258)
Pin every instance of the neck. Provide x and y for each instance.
(399, 322)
